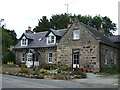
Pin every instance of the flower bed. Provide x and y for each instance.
(59, 74)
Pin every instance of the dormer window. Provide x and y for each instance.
(24, 41)
(51, 39)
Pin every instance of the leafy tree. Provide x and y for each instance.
(108, 25)
(43, 25)
(8, 39)
(96, 22)
(61, 21)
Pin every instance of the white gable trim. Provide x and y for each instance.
(25, 41)
(51, 34)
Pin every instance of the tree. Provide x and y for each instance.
(108, 25)
(8, 39)
(60, 21)
(96, 22)
(43, 25)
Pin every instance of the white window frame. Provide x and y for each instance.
(76, 34)
(24, 41)
(115, 59)
(52, 40)
(29, 57)
(23, 57)
(50, 59)
(106, 57)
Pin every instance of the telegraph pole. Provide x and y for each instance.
(67, 7)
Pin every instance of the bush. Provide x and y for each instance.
(42, 70)
(23, 71)
(23, 66)
(83, 75)
(113, 70)
(62, 77)
(8, 57)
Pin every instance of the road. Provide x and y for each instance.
(9, 81)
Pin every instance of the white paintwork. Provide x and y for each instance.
(51, 34)
(52, 57)
(26, 41)
(22, 58)
(30, 63)
(36, 63)
(74, 65)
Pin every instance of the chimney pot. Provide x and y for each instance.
(29, 30)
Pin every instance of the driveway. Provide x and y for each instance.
(99, 81)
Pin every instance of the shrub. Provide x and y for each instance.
(9, 57)
(23, 66)
(62, 77)
(23, 71)
(42, 70)
(83, 75)
(113, 70)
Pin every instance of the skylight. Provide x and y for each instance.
(40, 39)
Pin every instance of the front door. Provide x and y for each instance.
(76, 59)
(29, 61)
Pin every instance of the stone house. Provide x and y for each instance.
(78, 45)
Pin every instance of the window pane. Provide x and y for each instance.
(50, 57)
(51, 39)
(50, 54)
(76, 34)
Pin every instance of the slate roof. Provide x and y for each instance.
(33, 51)
(115, 38)
(102, 37)
(58, 32)
(28, 36)
(38, 39)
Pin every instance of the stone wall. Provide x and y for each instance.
(18, 54)
(42, 58)
(108, 55)
(87, 45)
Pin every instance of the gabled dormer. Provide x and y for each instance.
(24, 41)
(51, 38)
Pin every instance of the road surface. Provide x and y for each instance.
(9, 81)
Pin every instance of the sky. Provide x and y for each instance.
(19, 14)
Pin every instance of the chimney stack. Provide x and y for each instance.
(101, 30)
(29, 30)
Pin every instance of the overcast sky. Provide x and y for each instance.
(19, 14)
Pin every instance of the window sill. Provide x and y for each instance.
(75, 39)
